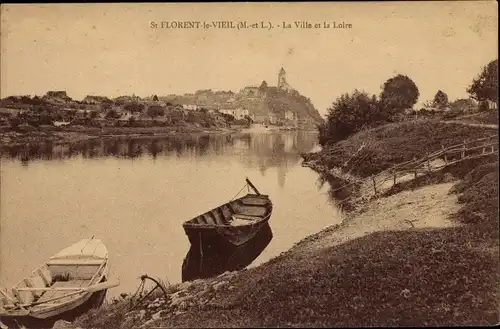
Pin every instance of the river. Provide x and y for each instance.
(135, 193)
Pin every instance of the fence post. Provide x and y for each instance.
(374, 185)
(445, 156)
(463, 151)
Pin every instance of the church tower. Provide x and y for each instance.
(282, 83)
(282, 78)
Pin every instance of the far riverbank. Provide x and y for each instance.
(75, 134)
(22, 135)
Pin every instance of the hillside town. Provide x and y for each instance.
(279, 106)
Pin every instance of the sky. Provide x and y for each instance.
(112, 50)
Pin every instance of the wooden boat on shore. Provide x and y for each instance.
(69, 284)
(235, 222)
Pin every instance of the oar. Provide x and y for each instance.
(95, 286)
(102, 286)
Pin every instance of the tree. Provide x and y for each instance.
(485, 86)
(398, 94)
(348, 115)
(106, 106)
(228, 117)
(14, 122)
(112, 114)
(440, 100)
(134, 107)
(155, 110)
(132, 121)
(155, 98)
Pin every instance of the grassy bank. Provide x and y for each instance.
(425, 253)
(372, 151)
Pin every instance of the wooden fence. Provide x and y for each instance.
(435, 161)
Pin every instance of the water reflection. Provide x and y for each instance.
(262, 151)
(213, 260)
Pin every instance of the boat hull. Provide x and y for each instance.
(218, 236)
(68, 313)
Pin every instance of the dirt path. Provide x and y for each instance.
(427, 207)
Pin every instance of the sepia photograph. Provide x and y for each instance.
(257, 164)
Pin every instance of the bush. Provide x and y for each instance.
(14, 122)
(348, 115)
(112, 114)
(155, 110)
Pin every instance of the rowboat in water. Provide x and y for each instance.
(67, 285)
(234, 223)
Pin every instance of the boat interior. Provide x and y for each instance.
(56, 278)
(242, 211)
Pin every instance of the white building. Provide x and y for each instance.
(190, 107)
(238, 113)
(289, 115)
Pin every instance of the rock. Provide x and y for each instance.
(156, 316)
(448, 178)
(185, 285)
(142, 314)
(405, 293)
(176, 300)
